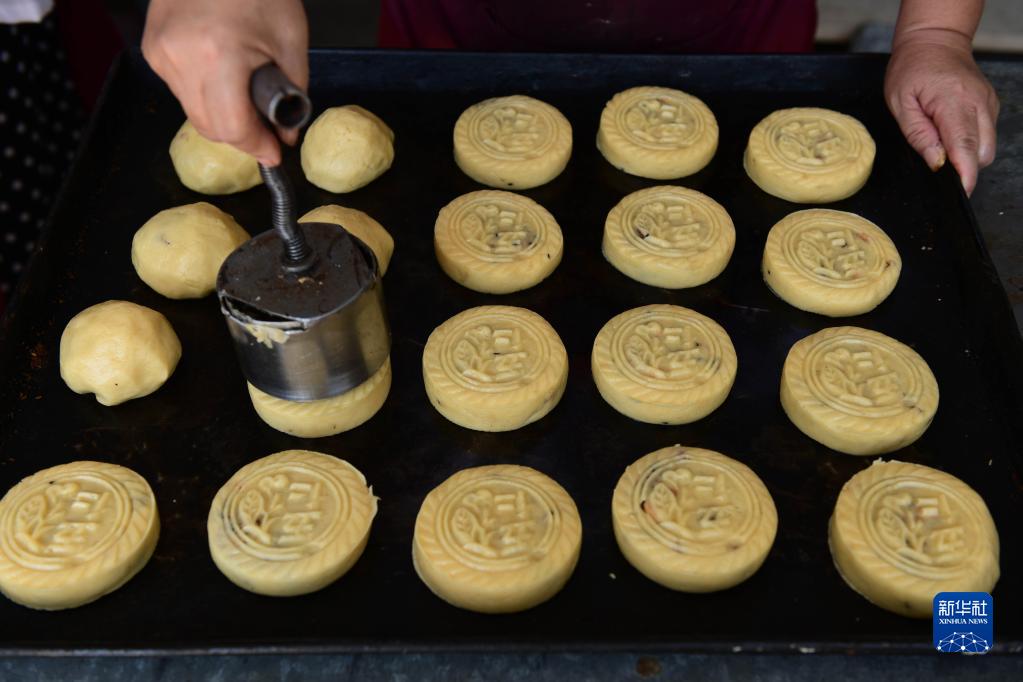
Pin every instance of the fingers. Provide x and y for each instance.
(919, 131)
(986, 119)
(960, 133)
(231, 116)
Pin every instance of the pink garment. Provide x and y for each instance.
(600, 25)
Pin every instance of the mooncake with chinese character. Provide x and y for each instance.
(830, 262)
(75, 532)
(901, 533)
(809, 155)
(290, 523)
(657, 133)
(495, 368)
(693, 520)
(663, 364)
(328, 416)
(858, 391)
(514, 142)
(669, 237)
(496, 539)
(497, 242)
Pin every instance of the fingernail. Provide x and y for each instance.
(935, 156)
(985, 155)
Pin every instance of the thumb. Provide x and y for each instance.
(920, 132)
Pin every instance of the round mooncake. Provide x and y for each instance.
(496, 539)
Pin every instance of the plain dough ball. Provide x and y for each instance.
(497, 242)
(290, 523)
(360, 225)
(326, 417)
(179, 251)
(809, 155)
(663, 364)
(211, 167)
(692, 519)
(858, 391)
(830, 262)
(901, 533)
(496, 539)
(346, 148)
(75, 532)
(514, 142)
(657, 133)
(669, 237)
(118, 350)
(495, 368)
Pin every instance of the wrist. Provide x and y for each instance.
(948, 38)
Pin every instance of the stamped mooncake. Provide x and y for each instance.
(497, 242)
(830, 262)
(693, 520)
(329, 416)
(75, 532)
(901, 533)
(858, 391)
(809, 155)
(669, 237)
(495, 368)
(514, 142)
(290, 523)
(496, 539)
(663, 364)
(657, 133)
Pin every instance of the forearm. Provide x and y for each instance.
(951, 19)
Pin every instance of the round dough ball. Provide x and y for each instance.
(514, 142)
(75, 532)
(809, 155)
(179, 251)
(326, 417)
(359, 225)
(657, 133)
(119, 351)
(663, 364)
(903, 532)
(693, 520)
(496, 539)
(497, 242)
(830, 262)
(211, 167)
(669, 237)
(290, 523)
(858, 391)
(346, 148)
(495, 368)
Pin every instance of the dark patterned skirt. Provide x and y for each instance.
(41, 118)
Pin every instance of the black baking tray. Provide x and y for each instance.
(192, 434)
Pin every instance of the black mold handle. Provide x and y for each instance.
(279, 100)
(283, 104)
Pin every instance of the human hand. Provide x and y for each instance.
(942, 101)
(206, 52)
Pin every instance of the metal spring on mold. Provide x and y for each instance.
(296, 249)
